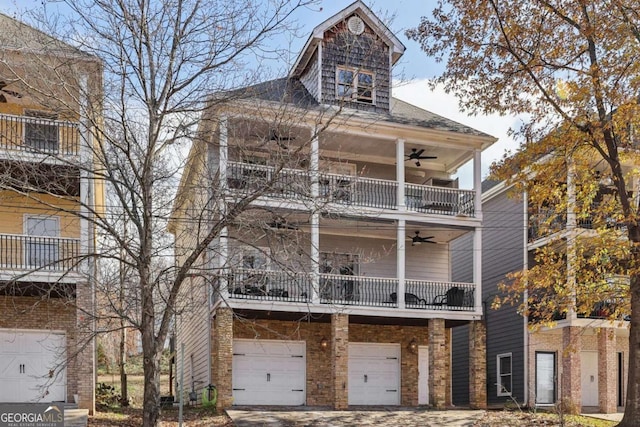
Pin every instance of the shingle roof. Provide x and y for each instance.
(20, 36)
(290, 90)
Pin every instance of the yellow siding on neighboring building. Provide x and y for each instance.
(14, 207)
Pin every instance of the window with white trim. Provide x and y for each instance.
(504, 374)
(355, 85)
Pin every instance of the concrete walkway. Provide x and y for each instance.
(312, 417)
(76, 417)
(609, 417)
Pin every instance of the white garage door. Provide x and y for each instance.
(30, 366)
(374, 374)
(269, 372)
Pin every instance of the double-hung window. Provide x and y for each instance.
(355, 85)
(504, 374)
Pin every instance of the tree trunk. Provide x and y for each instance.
(124, 396)
(632, 403)
(151, 396)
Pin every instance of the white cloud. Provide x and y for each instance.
(437, 101)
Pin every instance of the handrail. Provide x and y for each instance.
(39, 135)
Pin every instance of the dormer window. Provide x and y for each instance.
(354, 85)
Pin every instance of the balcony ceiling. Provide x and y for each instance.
(355, 147)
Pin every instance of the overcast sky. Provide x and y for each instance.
(414, 65)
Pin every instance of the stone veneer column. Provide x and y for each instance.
(607, 371)
(84, 363)
(571, 390)
(222, 343)
(437, 361)
(340, 360)
(477, 365)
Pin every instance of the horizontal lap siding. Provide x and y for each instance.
(193, 332)
(503, 252)
(462, 271)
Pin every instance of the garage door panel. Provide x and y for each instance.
(269, 372)
(374, 374)
(30, 366)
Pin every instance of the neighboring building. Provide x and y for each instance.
(333, 287)
(46, 281)
(582, 360)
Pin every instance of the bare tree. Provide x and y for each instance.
(161, 61)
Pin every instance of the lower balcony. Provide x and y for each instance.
(22, 254)
(348, 290)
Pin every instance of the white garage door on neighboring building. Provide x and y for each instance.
(269, 372)
(30, 363)
(374, 374)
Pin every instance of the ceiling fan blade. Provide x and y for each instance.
(417, 152)
(427, 157)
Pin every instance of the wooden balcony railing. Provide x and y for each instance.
(349, 290)
(349, 190)
(39, 135)
(20, 252)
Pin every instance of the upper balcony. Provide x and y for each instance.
(38, 137)
(39, 258)
(349, 190)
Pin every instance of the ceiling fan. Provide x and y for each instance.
(3, 98)
(280, 139)
(417, 156)
(418, 240)
(281, 223)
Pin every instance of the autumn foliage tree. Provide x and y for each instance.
(573, 68)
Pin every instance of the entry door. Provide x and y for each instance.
(423, 375)
(589, 374)
(545, 378)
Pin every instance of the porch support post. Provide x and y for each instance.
(607, 371)
(571, 378)
(314, 165)
(223, 240)
(400, 262)
(340, 360)
(437, 364)
(222, 343)
(84, 360)
(400, 173)
(477, 183)
(477, 269)
(477, 365)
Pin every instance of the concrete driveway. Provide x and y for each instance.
(313, 417)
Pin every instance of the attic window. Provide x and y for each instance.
(354, 84)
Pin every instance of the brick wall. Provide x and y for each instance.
(438, 375)
(477, 365)
(319, 368)
(552, 341)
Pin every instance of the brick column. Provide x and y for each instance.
(84, 363)
(607, 371)
(222, 343)
(340, 360)
(571, 391)
(437, 363)
(477, 365)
